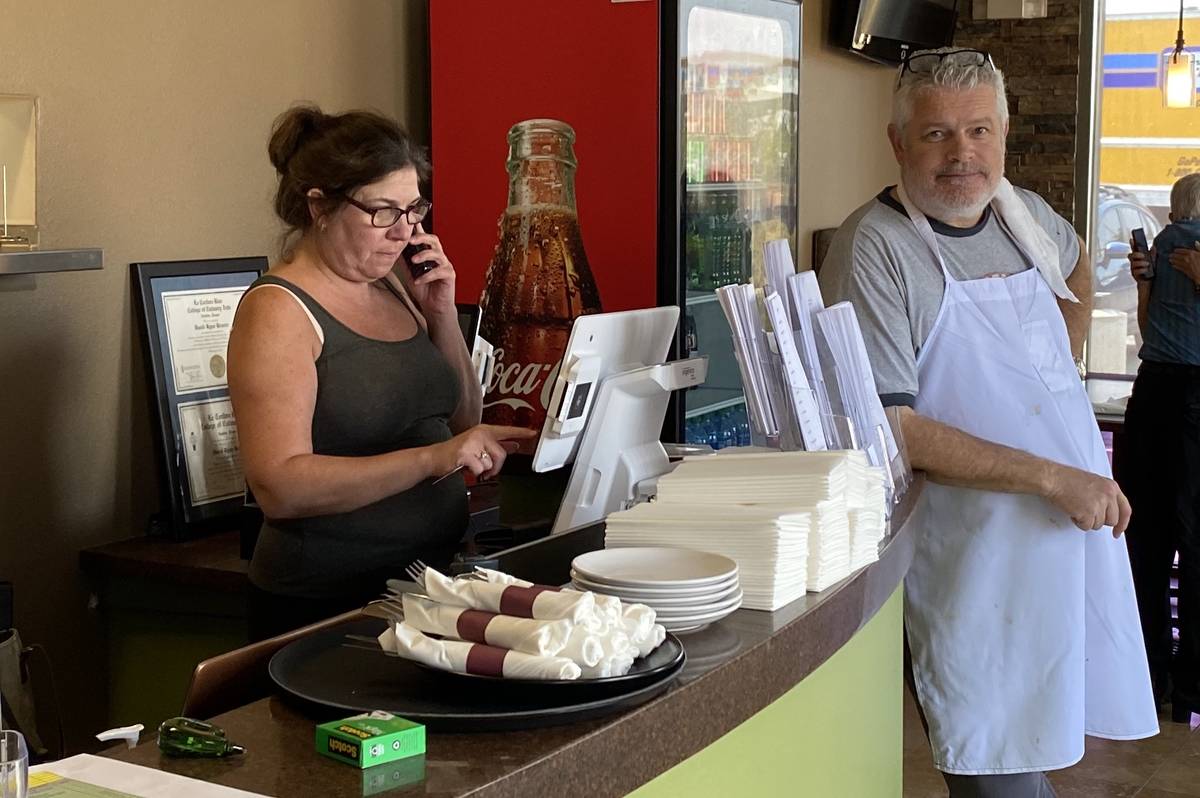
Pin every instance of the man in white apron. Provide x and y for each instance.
(973, 298)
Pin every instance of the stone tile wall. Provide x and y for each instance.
(1040, 61)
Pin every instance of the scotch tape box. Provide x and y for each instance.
(370, 739)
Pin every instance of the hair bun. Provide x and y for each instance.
(290, 131)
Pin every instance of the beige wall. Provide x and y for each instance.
(845, 104)
(154, 121)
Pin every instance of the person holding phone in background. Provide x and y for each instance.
(1158, 461)
(352, 385)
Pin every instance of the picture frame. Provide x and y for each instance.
(186, 310)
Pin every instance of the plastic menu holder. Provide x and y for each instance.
(901, 466)
(761, 426)
(789, 426)
(844, 434)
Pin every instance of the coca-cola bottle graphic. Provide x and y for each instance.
(539, 280)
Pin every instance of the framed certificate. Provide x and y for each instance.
(187, 310)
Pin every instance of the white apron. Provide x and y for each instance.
(1024, 629)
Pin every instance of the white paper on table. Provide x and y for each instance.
(856, 382)
(752, 323)
(803, 403)
(144, 782)
(779, 267)
(807, 303)
(742, 327)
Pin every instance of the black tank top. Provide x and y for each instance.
(372, 397)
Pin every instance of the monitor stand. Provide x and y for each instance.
(620, 447)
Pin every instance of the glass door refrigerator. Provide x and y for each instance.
(729, 183)
(683, 114)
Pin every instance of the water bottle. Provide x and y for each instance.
(743, 431)
(728, 430)
(712, 433)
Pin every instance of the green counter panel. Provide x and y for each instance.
(837, 733)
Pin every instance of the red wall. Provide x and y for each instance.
(590, 63)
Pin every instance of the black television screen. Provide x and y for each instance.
(886, 30)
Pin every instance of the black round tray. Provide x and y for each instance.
(320, 670)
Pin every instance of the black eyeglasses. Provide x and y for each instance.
(388, 215)
(926, 61)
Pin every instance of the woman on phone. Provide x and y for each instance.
(350, 379)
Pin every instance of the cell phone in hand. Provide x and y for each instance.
(1139, 240)
(1141, 245)
(417, 269)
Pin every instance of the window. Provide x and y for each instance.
(1143, 147)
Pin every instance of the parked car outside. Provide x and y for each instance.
(1118, 213)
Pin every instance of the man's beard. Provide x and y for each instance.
(946, 203)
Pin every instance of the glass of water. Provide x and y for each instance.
(14, 765)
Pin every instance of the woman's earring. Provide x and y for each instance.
(322, 225)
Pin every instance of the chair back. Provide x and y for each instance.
(235, 678)
(820, 246)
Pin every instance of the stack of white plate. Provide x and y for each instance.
(686, 589)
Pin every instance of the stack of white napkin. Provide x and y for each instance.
(867, 530)
(793, 521)
(503, 626)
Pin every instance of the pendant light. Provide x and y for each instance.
(1179, 87)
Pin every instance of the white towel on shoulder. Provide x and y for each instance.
(1032, 238)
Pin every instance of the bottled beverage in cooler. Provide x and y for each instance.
(743, 428)
(539, 280)
(728, 430)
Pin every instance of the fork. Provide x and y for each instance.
(365, 643)
(393, 603)
(416, 572)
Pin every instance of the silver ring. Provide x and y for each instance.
(483, 455)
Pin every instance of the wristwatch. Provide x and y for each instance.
(1081, 367)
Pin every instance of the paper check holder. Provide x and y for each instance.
(606, 411)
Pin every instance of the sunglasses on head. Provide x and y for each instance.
(926, 61)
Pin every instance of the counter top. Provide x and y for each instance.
(735, 668)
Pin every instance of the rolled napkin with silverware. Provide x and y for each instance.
(614, 665)
(606, 606)
(587, 649)
(652, 640)
(637, 621)
(473, 658)
(541, 638)
(637, 618)
(638, 630)
(539, 602)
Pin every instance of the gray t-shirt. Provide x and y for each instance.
(879, 263)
